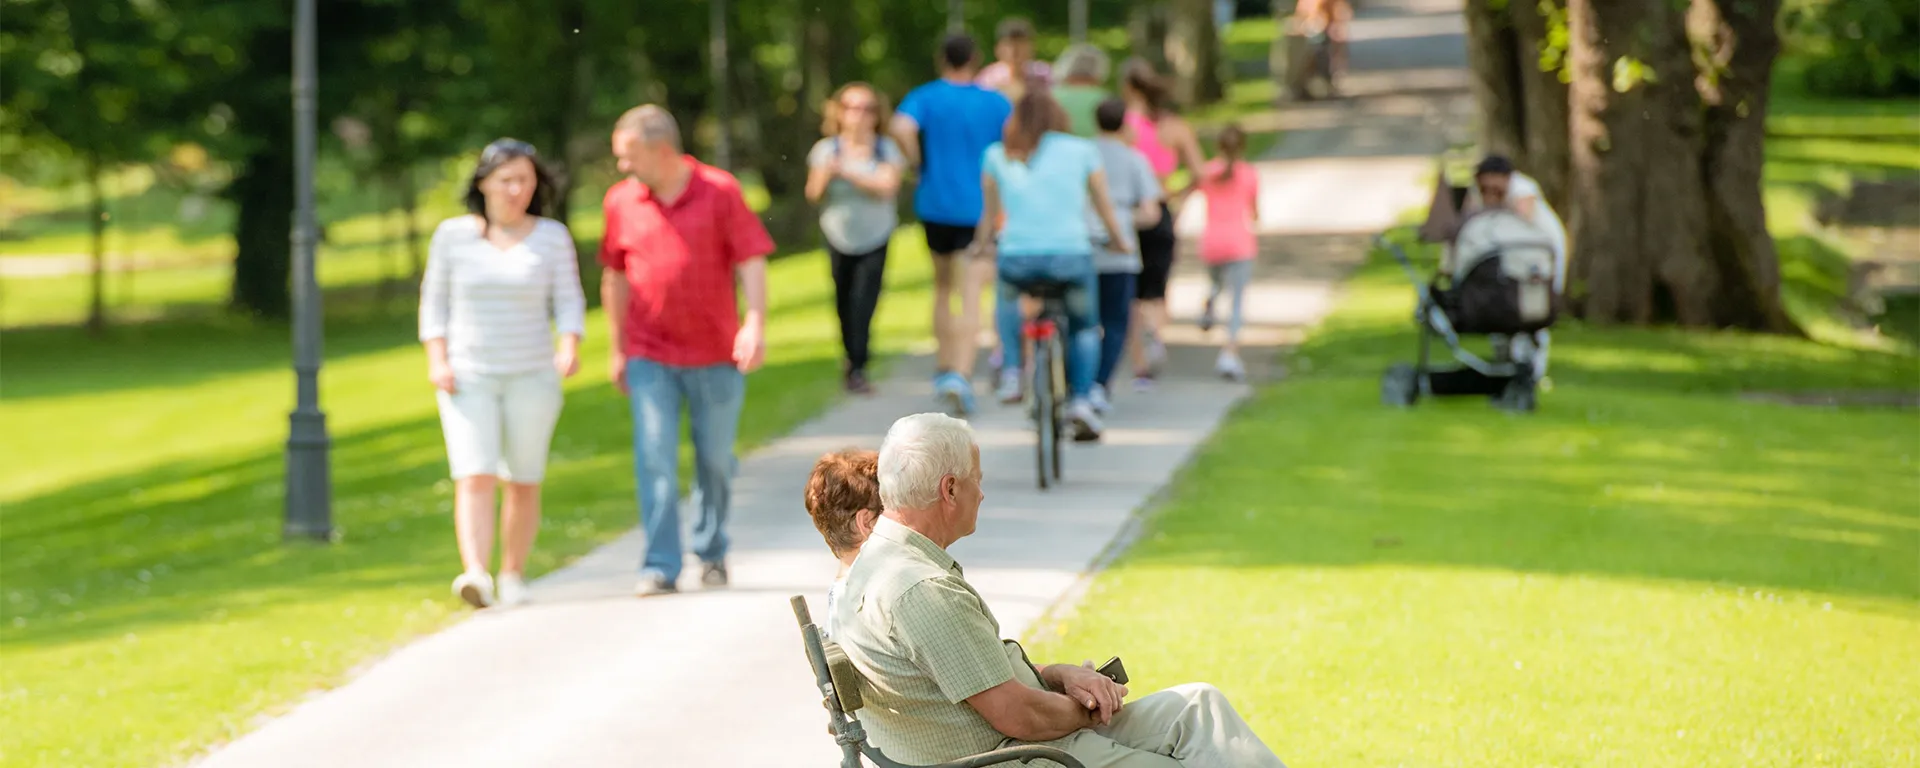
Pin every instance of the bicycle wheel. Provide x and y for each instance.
(1059, 401)
(1044, 417)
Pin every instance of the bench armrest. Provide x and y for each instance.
(1022, 754)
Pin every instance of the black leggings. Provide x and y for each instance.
(1156, 257)
(856, 293)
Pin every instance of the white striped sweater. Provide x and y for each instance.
(499, 309)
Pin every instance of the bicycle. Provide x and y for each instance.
(1049, 383)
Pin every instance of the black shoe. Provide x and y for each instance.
(652, 584)
(713, 575)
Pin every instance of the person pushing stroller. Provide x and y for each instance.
(1501, 275)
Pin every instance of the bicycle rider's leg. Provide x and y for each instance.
(1008, 320)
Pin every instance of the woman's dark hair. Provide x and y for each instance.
(1139, 75)
(1233, 144)
(499, 153)
(1035, 115)
(1494, 164)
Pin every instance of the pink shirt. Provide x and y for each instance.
(1146, 139)
(1230, 209)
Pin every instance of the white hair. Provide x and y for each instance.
(918, 452)
(1082, 60)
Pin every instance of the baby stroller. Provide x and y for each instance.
(1495, 279)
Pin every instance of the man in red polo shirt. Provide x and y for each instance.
(680, 240)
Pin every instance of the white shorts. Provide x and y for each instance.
(501, 424)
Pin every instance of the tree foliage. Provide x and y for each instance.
(405, 84)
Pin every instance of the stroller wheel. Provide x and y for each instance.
(1520, 396)
(1400, 386)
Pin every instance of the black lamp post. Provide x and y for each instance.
(309, 512)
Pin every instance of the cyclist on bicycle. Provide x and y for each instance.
(1041, 177)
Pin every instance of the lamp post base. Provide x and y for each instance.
(309, 485)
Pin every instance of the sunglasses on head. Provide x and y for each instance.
(507, 148)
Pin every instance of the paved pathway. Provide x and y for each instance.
(589, 676)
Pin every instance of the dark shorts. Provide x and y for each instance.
(946, 239)
(1156, 257)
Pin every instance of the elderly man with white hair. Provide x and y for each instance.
(941, 685)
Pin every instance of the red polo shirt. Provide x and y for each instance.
(679, 259)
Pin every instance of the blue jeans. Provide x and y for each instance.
(713, 396)
(1116, 316)
(1083, 322)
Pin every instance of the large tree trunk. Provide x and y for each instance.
(1148, 29)
(782, 126)
(410, 206)
(1195, 54)
(264, 232)
(1740, 41)
(1544, 114)
(263, 227)
(571, 96)
(1638, 232)
(1494, 58)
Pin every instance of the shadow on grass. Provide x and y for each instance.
(58, 362)
(200, 540)
(197, 342)
(1640, 464)
(1598, 483)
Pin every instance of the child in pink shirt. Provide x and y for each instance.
(1232, 189)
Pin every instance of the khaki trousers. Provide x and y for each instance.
(1190, 726)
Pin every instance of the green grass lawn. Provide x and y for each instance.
(147, 605)
(1817, 148)
(1649, 571)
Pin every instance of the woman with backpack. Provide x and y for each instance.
(854, 174)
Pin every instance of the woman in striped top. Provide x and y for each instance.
(500, 281)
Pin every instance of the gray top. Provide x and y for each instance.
(1130, 181)
(853, 221)
(498, 309)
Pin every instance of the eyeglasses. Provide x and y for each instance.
(858, 107)
(508, 148)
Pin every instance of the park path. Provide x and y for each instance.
(589, 676)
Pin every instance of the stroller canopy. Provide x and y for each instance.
(1525, 253)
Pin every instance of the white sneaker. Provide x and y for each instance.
(513, 590)
(1098, 397)
(1009, 391)
(1229, 367)
(1083, 421)
(474, 587)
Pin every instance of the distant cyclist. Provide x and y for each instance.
(1042, 178)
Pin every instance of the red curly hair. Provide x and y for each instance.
(842, 485)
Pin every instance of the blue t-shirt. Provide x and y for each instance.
(957, 122)
(1045, 198)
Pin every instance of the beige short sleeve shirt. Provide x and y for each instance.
(925, 642)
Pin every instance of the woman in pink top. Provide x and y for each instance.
(1232, 188)
(1167, 142)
